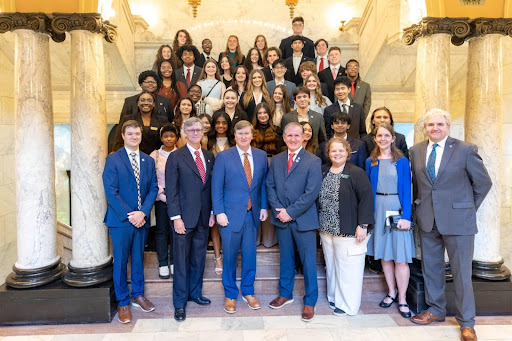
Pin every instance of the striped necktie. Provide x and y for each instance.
(135, 167)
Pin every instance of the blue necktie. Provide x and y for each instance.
(431, 164)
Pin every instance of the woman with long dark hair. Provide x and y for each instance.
(171, 88)
(240, 80)
(280, 104)
(253, 61)
(256, 93)
(185, 109)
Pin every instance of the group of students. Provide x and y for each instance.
(236, 157)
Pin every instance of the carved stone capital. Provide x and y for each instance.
(484, 26)
(92, 22)
(37, 22)
(458, 28)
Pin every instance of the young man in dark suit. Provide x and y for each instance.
(149, 81)
(450, 182)
(293, 184)
(189, 73)
(343, 104)
(131, 187)
(293, 62)
(297, 27)
(340, 123)
(205, 55)
(189, 205)
(335, 70)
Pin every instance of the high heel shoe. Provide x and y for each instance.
(218, 271)
(383, 304)
(404, 314)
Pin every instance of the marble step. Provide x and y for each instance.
(267, 278)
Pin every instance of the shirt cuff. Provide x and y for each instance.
(176, 217)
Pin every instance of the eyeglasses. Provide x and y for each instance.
(149, 82)
(194, 131)
(279, 68)
(297, 24)
(352, 67)
(149, 100)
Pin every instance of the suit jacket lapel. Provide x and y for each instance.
(423, 153)
(189, 160)
(127, 162)
(238, 163)
(447, 154)
(295, 163)
(208, 166)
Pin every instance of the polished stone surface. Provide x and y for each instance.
(88, 150)
(35, 162)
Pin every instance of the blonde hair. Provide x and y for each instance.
(319, 98)
(250, 88)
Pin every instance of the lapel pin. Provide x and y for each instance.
(451, 146)
(142, 159)
(208, 160)
(297, 160)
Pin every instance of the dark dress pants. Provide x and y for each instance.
(163, 235)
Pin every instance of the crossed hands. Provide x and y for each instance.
(283, 215)
(137, 218)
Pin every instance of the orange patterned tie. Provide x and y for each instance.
(248, 175)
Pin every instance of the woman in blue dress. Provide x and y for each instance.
(390, 176)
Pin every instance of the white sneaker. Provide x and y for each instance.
(172, 269)
(163, 272)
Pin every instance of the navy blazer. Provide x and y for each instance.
(325, 76)
(121, 187)
(296, 191)
(286, 47)
(187, 196)
(357, 116)
(290, 74)
(230, 190)
(357, 156)
(268, 73)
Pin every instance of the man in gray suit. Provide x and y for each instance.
(360, 92)
(303, 114)
(449, 184)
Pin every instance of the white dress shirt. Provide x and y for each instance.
(249, 156)
(137, 156)
(347, 104)
(191, 71)
(439, 153)
(296, 62)
(318, 61)
(295, 152)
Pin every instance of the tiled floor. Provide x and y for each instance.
(212, 323)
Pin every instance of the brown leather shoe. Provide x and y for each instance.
(143, 303)
(229, 305)
(308, 313)
(280, 302)
(123, 314)
(467, 333)
(426, 318)
(252, 302)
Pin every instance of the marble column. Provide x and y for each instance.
(483, 128)
(37, 262)
(91, 262)
(432, 78)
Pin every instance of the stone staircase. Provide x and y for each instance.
(267, 276)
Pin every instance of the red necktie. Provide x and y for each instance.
(290, 161)
(188, 78)
(334, 73)
(200, 166)
(353, 88)
(321, 67)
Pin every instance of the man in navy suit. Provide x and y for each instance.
(297, 27)
(130, 183)
(335, 70)
(343, 104)
(187, 185)
(293, 183)
(240, 204)
(340, 123)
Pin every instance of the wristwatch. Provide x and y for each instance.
(364, 226)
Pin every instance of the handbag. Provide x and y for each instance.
(392, 219)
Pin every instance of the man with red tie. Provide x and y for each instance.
(360, 92)
(189, 73)
(293, 182)
(335, 70)
(322, 62)
(189, 205)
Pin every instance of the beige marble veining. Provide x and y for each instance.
(432, 84)
(88, 150)
(483, 128)
(35, 162)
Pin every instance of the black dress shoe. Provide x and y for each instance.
(406, 315)
(179, 314)
(201, 300)
(383, 304)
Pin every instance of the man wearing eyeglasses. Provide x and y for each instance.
(189, 205)
(360, 92)
(205, 55)
(286, 44)
(149, 81)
